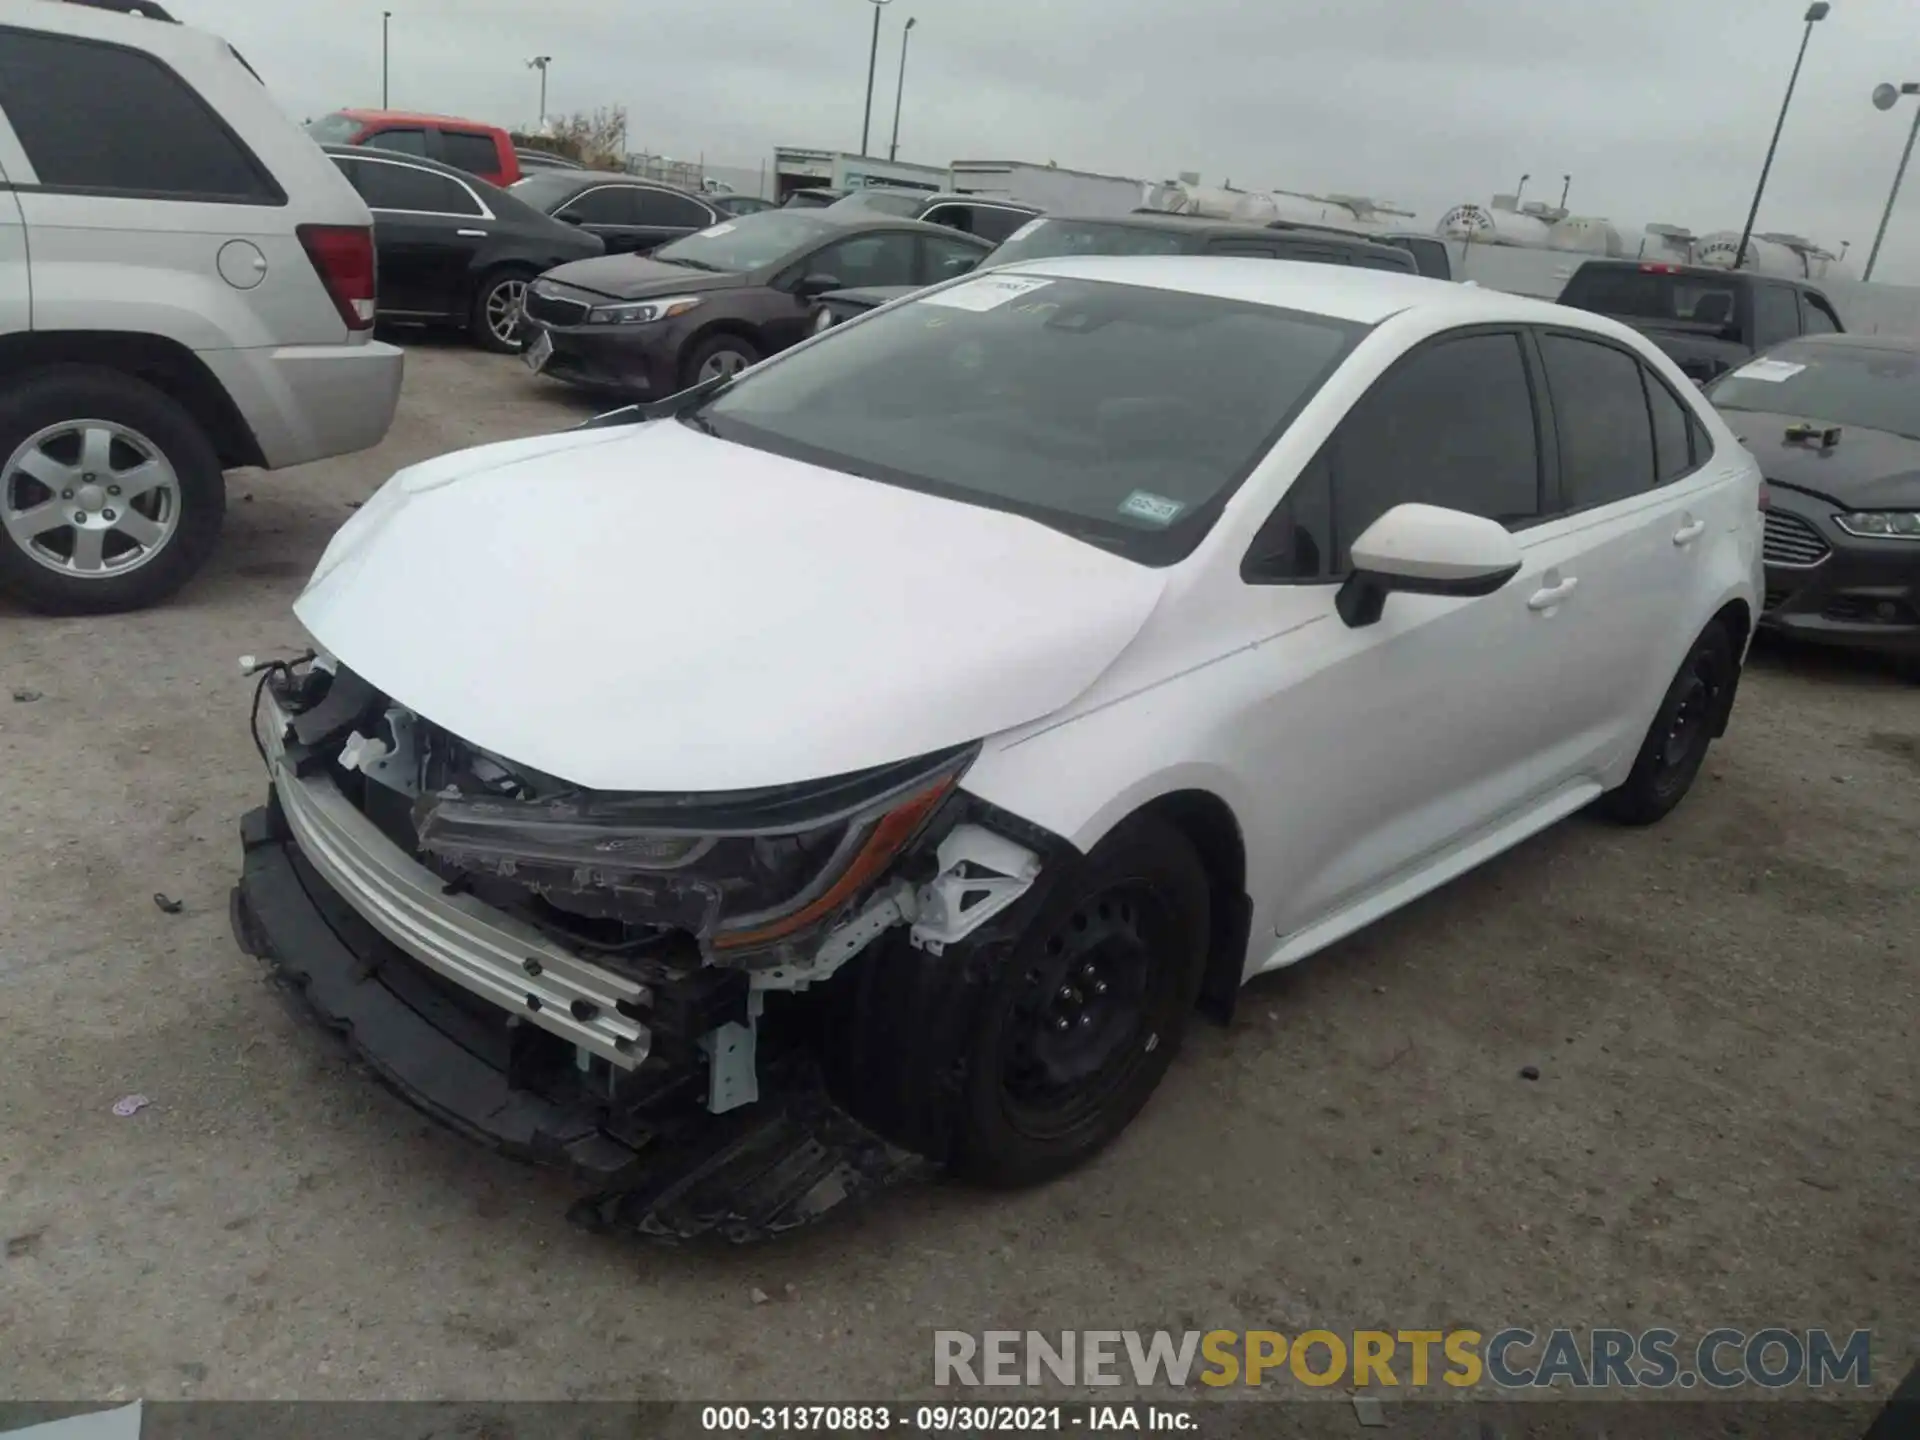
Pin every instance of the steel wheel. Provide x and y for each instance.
(89, 498)
(1689, 712)
(505, 301)
(723, 362)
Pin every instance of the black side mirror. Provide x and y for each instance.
(572, 217)
(815, 285)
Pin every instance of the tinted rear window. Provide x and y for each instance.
(98, 118)
(469, 151)
(1120, 414)
(1650, 295)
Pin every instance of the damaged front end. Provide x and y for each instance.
(615, 982)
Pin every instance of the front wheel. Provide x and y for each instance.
(716, 356)
(496, 323)
(1676, 744)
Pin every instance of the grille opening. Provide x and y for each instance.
(1789, 540)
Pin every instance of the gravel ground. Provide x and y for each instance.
(1722, 1011)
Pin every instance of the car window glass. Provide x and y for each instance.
(1430, 256)
(1044, 237)
(1453, 425)
(1672, 449)
(885, 257)
(1833, 381)
(993, 223)
(606, 205)
(1600, 412)
(1819, 319)
(96, 117)
(1253, 249)
(663, 207)
(942, 259)
(335, 129)
(954, 217)
(465, 150)
(1775, 315)
(406, 187)
(1295, 543)
(401, 142)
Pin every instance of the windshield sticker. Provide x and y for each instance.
(725, 227)
(1772, 371)
(987, 292)
(1154, 509)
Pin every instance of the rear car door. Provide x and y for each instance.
(474, 151)
(668, 215)
(428, 228)
(1438, 711)
(1638, 506)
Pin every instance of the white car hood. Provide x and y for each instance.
(654, 609)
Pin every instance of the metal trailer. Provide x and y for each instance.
(1048, 187)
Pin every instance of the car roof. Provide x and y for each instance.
(415, 117)
(1338, 291)
(585, 178)
(1850, 340)
(1166, 220)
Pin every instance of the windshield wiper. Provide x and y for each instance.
(695, 265)
(678, 406)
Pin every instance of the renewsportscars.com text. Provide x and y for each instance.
(1510, 1359)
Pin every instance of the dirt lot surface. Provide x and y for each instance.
(1722, 1011)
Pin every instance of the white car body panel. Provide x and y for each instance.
(787, 622)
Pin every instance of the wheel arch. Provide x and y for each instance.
(166, 365)
(1736, 618)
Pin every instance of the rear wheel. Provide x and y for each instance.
(1683, 727)
(496, 320)
(111, 495)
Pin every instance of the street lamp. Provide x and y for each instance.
(540, 63)
(385, 16)
(1815, 12)
(873, 59)
(893, 150)
(1885, 97)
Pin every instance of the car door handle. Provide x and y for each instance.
(471, 234)
(1687, 534)
(1551, 596)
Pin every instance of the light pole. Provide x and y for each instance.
(873, 59)
(893, 150)
(385, 16)
(1885, 97)
(1815, 12)
(540, 63)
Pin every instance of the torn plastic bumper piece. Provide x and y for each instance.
(667, 1169)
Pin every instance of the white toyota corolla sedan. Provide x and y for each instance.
(875, 758)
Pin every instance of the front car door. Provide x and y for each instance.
(1438, 715)
(428, 227)
(872, 257)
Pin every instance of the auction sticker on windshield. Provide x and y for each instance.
(1772, 371)
(1155, 509)
(988, 292)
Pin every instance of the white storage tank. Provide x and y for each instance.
(1490, 225)
(1773, 253)
(1588, 234)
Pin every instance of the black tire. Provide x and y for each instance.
(708, 349)
(84, 392)
(1683, 727)
(480, 315)
(949, 1055)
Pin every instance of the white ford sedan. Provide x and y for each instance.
(883, 752)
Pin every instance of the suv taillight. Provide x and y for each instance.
(343, 256)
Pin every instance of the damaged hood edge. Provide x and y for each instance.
(652, 609)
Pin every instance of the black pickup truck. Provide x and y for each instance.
(1708, 320)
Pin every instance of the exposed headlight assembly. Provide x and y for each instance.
(750, 873)
(642, 312)
(1881, 524)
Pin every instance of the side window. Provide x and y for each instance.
(993, 224)
(1296, 541)
(470, 151)
(1819, 316)
(1776, 316)
(1673, 426)
(884, 257)
(1452, 425)
(96, 117)
(1429, 256)
(663, 207)
(608, 205)
(406, 187)
(402, 142)
(954, 217)
(942, 259)
(1600, 411)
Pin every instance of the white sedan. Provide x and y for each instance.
(950, 705)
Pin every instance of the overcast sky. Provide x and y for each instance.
(1659, 109)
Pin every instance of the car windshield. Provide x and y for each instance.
(1651, 295)
(1042, 239)
(1121, 414)
(334, 129)
(545, 189)
(746, 242)
(1864, 385)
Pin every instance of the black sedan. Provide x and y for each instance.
(452, 249)
(718, 301)
(627, 213)
(1834, 421)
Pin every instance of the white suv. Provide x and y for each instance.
(186, 285)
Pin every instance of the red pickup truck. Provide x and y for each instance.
(469, 145)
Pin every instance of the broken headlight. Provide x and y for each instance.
(745, 871)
